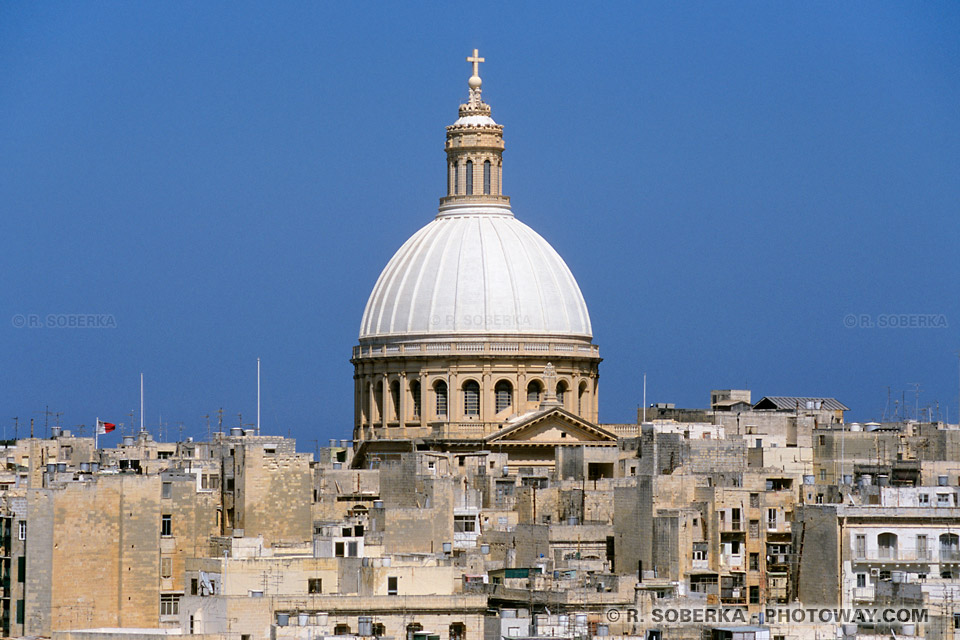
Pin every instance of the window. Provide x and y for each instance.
(471, 398)
(822, 440)
(441, 390)
(395, 399)
(561, 392)
(754, 595)
(392, 586)
(771, 518)
(582, 392)
(888, 545)
(923, 499)
(921, 547)
(755, 500)
(464, 524)
(754, 562)
(949, 547)
(861, 580)
(699, 550)
(169, 604)
(823, 475)
(166, 567)
(352, 549)
(166, 490)
(20, 611)
(22, 569)
(469, 176)
(194, 586)
(22, 530)
(486, 189)
(338, 549)
(379, 629)
(341, 630)
(504, 395)
(166, 525)
(210, 481)
(860, 546)
(456, 178)
(314, 585)
(415, 394)
(458, 630)
(754, 529)
(943, 499)
(533, 391)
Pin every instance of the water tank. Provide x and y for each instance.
(94, 467)
(55, 432)
(128, 441)
(378, 504)
(61, 467)
(848, 479)
(447, 547)
(51, 468)
(283, 619)
(84, 467)
(236, 431)
(365, 626)
(573, 520)
(896, 576)
(941, 481)
(809, 479)
(249, 432)
(908, 629)
(485, 549)
(866, 480)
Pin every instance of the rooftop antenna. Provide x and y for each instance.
(220, 420)
(207, 418)
(644, 398)
(258, 396)
(916, 390)
(31, 428)
(16, 425)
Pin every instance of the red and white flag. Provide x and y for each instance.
(105, 427)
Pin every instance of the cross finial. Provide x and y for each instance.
(476, 60)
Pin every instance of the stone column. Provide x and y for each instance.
(404, 393)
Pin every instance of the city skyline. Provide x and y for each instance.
(212, 189)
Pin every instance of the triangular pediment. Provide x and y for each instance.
(553, 426)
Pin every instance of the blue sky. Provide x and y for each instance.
(224, 181)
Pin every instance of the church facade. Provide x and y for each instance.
(476, 326)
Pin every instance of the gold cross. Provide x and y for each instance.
(476, 60)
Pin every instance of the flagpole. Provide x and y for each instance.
(96, 436)
(141, 401)
(258, 396)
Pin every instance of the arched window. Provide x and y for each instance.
(949, 547)
(412, 628)
(450, 181)
(504, 395)
(395, 400)
(458, 631)
(379, 629)
(471, 398)
(415, 394)
(456, 178)
(561, 391)
(486, 177)
(887, 542)
(441, 390)
(533, 391)
(378, 400)
(580, 394)
(469, 190)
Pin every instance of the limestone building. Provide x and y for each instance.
(476, 321)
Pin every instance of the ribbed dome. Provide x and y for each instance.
(475, 271)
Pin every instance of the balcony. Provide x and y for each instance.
(893, 556)
(531, 349)
(949, 555)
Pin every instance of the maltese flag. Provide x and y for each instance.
(105, 427)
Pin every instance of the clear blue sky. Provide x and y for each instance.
(727, 181)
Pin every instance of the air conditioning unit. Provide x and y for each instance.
(874, 572)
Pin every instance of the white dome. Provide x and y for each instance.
(475, 270)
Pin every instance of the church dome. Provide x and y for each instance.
(475, 270)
